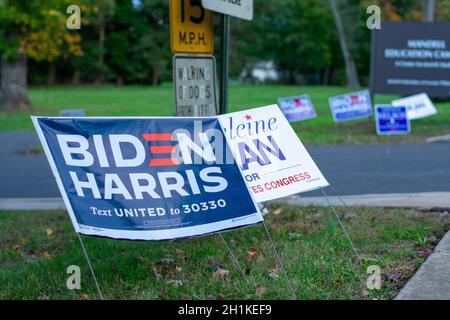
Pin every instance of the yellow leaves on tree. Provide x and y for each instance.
(52, 39)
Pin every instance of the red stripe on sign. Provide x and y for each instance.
(162, 149)
(157, 136)
(164, 162)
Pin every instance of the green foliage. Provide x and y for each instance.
(299, 36)
(37, 29)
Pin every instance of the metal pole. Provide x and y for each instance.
(225, 61)
(233, 257)
(342, 226)
(90, 266)
(279, 261)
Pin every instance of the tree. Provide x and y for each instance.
(31, 29)
(350, 67)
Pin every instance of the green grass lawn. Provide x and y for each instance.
(37, 247)
(158, 101)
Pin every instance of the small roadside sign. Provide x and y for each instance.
(191, 29)
(417, 106)
(237, 8)
(297, 108)
(72, 113)
(391, 120)
(195, 85)
(351, 106)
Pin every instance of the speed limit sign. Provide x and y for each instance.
(191, 29)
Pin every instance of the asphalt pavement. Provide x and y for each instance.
(351, 169)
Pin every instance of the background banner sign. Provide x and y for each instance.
(194, 80)
(417, 106)
(297, 108)
(351, 106)
(411, 57)
(237, 8)
(145, 178)
(272, 158)
(391, 120)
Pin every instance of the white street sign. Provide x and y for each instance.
(237, 8)
(195, 85)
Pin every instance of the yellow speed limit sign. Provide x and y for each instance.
(191, 29)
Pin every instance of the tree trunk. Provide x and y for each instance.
(350, 67)
(101, 53)
(155, 76)
(51, 75)
(431, 8)
(14, 84)
(76, 78)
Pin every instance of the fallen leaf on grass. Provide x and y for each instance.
(23, 242)
(260, 291)
(425, 253)
(394, 276)
(221, 295)
(365, 293)
(46, 255)
(274, 274)
(213, 262)
(49, 231)
(221, 273)
(253, 253)
(277, 212)
(179, 252)
(84, 296)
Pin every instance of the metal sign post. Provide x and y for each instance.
(225, 60)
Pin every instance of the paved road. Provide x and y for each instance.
(351, 169)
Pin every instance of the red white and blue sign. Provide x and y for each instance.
(351, 106)
(297, 108)
(391, 120)
(146, 178)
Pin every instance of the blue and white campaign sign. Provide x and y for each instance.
(351, 106)
(272, 158)
(145, 178)
(391, 120)
(417, 106)
(297, 108)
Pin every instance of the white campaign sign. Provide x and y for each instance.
(237, 8)
(272, 158)
(417, 106)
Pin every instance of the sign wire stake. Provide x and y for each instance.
(349, 211)
(346, 206)
(279, 261)
(233, 257)
(90, 266)
(341, 224)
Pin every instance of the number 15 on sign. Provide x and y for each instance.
(191, 28)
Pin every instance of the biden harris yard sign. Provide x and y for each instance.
(145, 178)
(297, 108)
(351, 106)
(273, 160)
